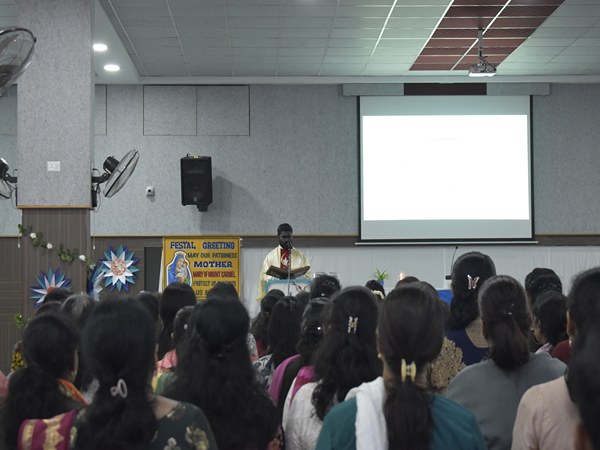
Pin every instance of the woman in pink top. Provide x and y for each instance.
(546, 417)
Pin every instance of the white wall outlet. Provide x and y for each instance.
(53, 166)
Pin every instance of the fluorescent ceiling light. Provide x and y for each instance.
(100, 47)
(112, 68)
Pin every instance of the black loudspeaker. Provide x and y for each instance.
(196, 181)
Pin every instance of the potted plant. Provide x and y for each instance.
(380, 276)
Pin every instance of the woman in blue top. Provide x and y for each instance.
(397, 411)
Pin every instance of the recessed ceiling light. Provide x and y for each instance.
(99, 47)
(112, 68)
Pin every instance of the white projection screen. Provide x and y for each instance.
(445, 168)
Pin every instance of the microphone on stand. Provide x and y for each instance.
(288, 246)
(449, 277)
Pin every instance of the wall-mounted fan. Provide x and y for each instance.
(116, 173)
(16, 51)
(7, 182)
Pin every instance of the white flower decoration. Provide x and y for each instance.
(49, 246)
(32, 235)
(82, 258)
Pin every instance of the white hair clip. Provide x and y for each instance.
(352, 324)
(119, 389)
(472, 282)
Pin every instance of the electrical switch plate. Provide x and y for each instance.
(53, 166)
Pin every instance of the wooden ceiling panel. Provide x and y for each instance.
(501, 33)
(518, 22)
(464, 22)
(528, 11)
(455, 39)
(499, 3)
(473, 11)
(432, 67)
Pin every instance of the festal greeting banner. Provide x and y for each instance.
(201, 262)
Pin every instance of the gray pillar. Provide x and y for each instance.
(55, 123)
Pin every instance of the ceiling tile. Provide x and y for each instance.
(301, 51)
(357, 33)
(303, 32)
(390, 51)
(252, 11)
(551, 42)
(125, 11)
(299, 60)
(407, 33)
(569, 22)
(253, 42)
(253, 22)
(253, 32)
(307, 11)
(304, 22)
(418, 11)
(304, 70)
(362, 11)
(342, 69)
(547, 32)
(345, 59)
(294, 42)
(586, 42)
(349, 51)
(255, 70)
(359, 22)
(254, 51)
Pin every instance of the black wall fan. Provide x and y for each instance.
(116, 173)
(6, 181)
(16, 52)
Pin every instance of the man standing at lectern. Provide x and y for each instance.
(280, 257)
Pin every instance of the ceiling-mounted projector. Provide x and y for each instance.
(482, 69)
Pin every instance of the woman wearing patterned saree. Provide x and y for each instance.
(119, 344)
(44, 387)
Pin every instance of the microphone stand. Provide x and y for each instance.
(289, 269)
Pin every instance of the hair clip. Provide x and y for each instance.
(472, 282)
(352, 324)
(119, 389)
(409, 370)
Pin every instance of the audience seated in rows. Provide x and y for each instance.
(44, 387)
(119, 344)
(546, 416)
(260, 325)
(346, 358)
(584, 387)
(214, 372)
(79, 308)
(283, 333)
(537, 282)
(396, 410)
(174, 297)
(327, 377)
(549, 317)
(464, 343)
(492, 389)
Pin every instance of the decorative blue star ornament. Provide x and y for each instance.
(119, 270)
(46, 283)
